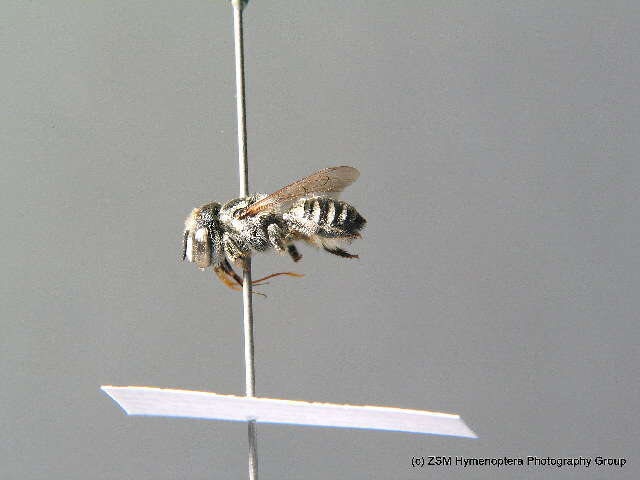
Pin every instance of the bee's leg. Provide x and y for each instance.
(231, 272)
(233, 251)
(293, 251)
(339, 252)
(276, 238)
(228, 270)
(226, 277)
(227, 274)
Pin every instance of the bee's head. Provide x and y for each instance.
(199, 225)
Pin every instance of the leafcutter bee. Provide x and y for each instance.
(218, 235)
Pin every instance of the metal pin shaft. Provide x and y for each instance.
(250, 376)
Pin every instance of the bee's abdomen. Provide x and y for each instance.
(332, 215)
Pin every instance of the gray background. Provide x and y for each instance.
(498, 276)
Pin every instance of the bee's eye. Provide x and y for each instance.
(202, 248)
(201, 235)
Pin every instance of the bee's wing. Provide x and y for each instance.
(328, 180)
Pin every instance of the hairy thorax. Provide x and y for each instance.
(248, 232)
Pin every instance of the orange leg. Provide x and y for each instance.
(226, 278)
(231, 279)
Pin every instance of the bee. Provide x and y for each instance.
(218, 235)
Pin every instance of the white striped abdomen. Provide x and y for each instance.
(332, 218)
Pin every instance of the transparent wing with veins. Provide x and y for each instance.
(329, 180)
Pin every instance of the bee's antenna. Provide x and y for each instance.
(260, 281)
(249, 359)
